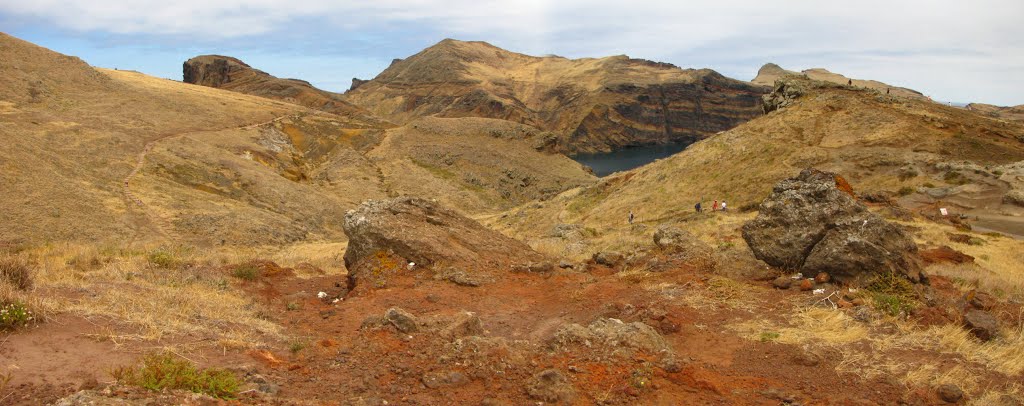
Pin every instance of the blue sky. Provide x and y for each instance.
(951, 50)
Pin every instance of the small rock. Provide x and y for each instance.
(949, 393)
(859, 301)
(608, 258)
(565, 264)
(981, 300)
(822, 277)
(982, 324)
(782, 282)
(807, 359)
(401, 319)
(843, 304)
(465, 324)
(434, 380)
(541, 267)
(551, 386)
(806, 285)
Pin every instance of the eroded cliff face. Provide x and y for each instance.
(232, 74)
(593, 104)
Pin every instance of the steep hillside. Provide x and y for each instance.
(72, 133)
(917, 151)
(229, 73)
(1012, 113)
(590, 104)
(771, 72)
(102, 155)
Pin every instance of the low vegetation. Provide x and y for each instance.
(160, 371)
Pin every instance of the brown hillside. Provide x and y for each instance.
(880, 144)
(771, 72)
(592, 104)
(1012, 113)
(232, 74)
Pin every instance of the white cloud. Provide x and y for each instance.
(976, 43)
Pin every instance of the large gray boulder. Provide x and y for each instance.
(386, 235)
(810, 225)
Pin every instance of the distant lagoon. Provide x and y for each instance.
(606, 163)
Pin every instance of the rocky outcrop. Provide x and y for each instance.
(229, 73)
(591, 104)
(392, 238)
(770, 73)
(808, 224)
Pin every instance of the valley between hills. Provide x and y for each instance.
(426, 237)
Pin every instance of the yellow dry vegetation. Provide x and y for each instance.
(159, 292)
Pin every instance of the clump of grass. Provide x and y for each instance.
(246, 272)
(769, 336)
(15, 314)
(906, 190)
(892, 294)
(292, 306)
(16, 272)
(162, 258)
(296, 346)
(161, 371)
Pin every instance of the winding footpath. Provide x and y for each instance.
(159, 223)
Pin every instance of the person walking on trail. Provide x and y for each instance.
(714, 206)
(723, 205)
(849, 82)
(630, 217)
(697, 207)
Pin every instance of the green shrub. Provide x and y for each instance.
(16, 273)
(161, 371)
(904, 191)
(296, 346)
(15, 314)
(248, 272)
(162, 258)
(892, 293)
(769, 336)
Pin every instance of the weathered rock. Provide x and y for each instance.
(782, 282)
(822, 277)
(809, 224)
(982, 324)
(949, 393)
(944, 254)
(434, 380)
(384, 236)
(565, 264)
(464, 324)
(551, 386)
(981, 300)
(806, 285)
(675, 240)
(541, 267)
(608, 258)
(612, 337)
(1014, 197)
(401, 319)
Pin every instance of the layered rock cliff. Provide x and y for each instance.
(591, 104)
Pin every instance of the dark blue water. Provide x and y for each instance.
(628, 158)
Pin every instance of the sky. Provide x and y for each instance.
(960, 51)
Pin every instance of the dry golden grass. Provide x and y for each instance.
(162, 292)
(868, 352)
(999, 261)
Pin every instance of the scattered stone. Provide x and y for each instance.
(401, 319)
(551, 386)
(465, 324)
(782, 282)
(949, 393)
(565, 264)
(822, 277)
(844, 304)
(434, 380)
(981, 300)
(541, 267)
(610, 259)
(982, 324)
(808, 223)
(609, 337)
(807, 358)
(806, 285)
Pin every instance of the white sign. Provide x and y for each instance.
(943, 211)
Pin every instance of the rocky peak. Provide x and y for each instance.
(212, 70)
